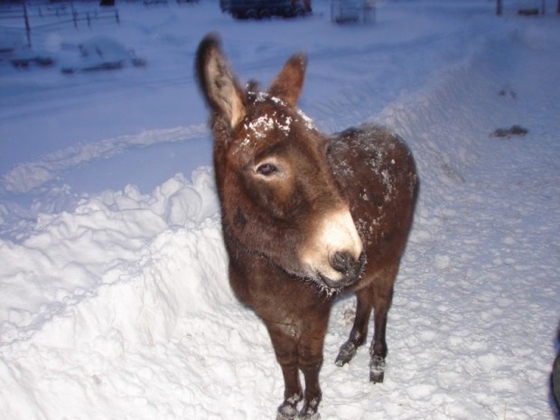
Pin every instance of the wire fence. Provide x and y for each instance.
(36, 16)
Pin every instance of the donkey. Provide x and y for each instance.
(306, 217)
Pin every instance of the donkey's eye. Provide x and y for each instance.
(267, 169)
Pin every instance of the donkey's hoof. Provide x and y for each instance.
(281, 416)
(288, 409)
(376, 377)
(346, 353)
(309, 416)
(377, 370)
(309, 411)
(287, 414)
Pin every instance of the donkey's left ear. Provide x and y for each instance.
(289, 82)
(218, 83)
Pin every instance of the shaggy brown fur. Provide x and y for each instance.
(305, 217)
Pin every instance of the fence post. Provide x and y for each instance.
(74, 15)
(119, 20)
(27, 26)
(499, 7)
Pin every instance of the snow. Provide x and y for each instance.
(115, 300)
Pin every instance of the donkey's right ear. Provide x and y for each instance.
(218, 84)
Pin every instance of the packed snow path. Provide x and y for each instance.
(119, 307)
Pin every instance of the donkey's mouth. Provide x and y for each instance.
(337, 285)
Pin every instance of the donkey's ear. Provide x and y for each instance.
(217, 82)
(289, 82)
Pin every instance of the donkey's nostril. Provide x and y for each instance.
(342, 262)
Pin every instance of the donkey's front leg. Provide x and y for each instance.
(284, 341)
(313, 393)
(310, 351)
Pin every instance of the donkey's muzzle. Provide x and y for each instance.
(349, 268)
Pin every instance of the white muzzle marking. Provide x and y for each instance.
(336, 233)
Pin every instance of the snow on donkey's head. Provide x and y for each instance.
(305, 217)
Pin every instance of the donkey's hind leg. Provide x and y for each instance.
(378, 296)
(382, 299)
(359, 330)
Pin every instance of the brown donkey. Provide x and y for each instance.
(305, 217)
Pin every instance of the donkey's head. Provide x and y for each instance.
(279, 197)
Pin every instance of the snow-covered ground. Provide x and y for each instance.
(114, 296)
